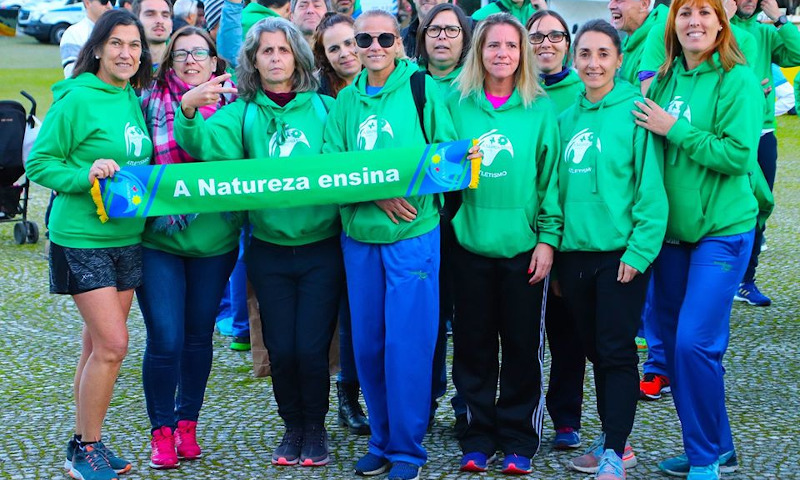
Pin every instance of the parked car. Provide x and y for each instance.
(47, 21)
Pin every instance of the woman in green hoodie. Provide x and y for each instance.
(391, 250)
(615, 212)
(706, 111)
(94, 127)
(506, 232)
(294, 260)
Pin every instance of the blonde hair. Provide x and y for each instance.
(378, 13)
(526, 79)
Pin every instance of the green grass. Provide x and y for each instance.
(31, 66)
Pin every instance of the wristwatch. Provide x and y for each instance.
(781, 21)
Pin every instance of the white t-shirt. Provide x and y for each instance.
(71, 43)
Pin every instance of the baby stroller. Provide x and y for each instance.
(14, 187)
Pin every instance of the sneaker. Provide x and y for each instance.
(679, 466)
(186, 440)
(653, 385)
(314, 452)
(567, 438)
(89, 463)
(225, 326)
(590, 460)
(288, 452)
(371, 464)
(72, 445)
(610, 467)
(162, 450)
(119, 465)
(641, 344)
(514, 464)
(476, 462)
(709, 472)
(240, 344)
(404, 471)
(748, 292)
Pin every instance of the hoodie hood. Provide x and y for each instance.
(88, 80)
(622, 92)
(401, 76)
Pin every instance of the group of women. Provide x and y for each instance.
(599, 184)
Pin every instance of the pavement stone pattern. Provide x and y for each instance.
(239, 425)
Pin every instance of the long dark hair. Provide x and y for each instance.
(464, 22)
(167, 64)
(102, 30)
(540, 14)
(327, 74)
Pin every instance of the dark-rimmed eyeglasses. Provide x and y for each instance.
(555, 36)
(450, 31)
(385, 40)
(199, 54)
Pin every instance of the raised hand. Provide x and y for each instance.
(208, 93)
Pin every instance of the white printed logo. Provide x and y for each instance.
(134, 140)
(579, 144)
(293, 137)
(676, 105)
(369, 130)
(492, 144)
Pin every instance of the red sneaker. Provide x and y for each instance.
(162, 450)
(186, 440)
(653, 385)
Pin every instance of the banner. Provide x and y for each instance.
(229, 186)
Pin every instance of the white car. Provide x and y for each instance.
(48, 21)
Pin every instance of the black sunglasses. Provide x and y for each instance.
(106, 2)
(385, 40)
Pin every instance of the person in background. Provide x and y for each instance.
(95, 117)
(409, 34)
(76, 35)
(201, 15)
(636, 19)
(213, 9)
(258, 9)
(156, 17)
(307, 14)
(184, 13)
(548, 35)
(126, 4)
(350, 8)
(519, 9)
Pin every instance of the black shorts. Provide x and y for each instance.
(79, 270)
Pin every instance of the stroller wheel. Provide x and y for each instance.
(20, 233)
(33, 232)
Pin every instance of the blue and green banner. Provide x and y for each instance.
(325, 179)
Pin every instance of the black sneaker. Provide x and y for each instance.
(89, 463)
(314, 452)
(288, 452)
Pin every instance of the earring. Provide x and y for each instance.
(97, 57)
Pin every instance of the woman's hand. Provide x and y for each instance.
(102, 168)
(653, 117)
(208, 93)
(541, 262)
(397, 206)
(626, 273)
(475, 152)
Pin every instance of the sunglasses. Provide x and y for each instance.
(385, 40)
(106, 2)
(555, 36)
(199, 54)
(450, 31)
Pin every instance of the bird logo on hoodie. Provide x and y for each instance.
(491, 144)
(678, 107)
(369, 130)
(134, 140)
(579, 144)
(284, 144)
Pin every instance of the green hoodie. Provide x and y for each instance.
(359, 121)
(520, 12)
(445, 83)
(89, 119)
(609, 181)
(208, 235)
(252, 13)
(566, 92)
(710, 149)
(633, 47)
(775, 45)
(515, 205)
(296, 129)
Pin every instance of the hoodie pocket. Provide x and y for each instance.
(494, 232)
(590, 226)
(686, 214)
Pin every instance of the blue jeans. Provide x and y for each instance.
(179, 299)
(234, 300)
(692, 299)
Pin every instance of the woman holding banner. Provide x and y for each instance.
(295, 260)
(391, 248)
(187, 260)
(94, 127)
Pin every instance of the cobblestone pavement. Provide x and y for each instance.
(239, 425)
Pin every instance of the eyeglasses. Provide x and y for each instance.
(450, 31)
(106, 2)
(385, 40)
(199, 54)
(555, 36)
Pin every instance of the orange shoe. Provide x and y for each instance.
(653, 385)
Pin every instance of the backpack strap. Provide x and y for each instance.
(501, 6)
(418, 92)
(247, 124)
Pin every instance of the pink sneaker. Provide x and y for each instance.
(186, 440)
(162, 450)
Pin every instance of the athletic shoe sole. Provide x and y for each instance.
(156, 466)
(282, 462)
(189, 459)
(473, 467)
(628, 464)
(312, 463)
(68, 468)
(513, 470)
(750, 302)
(377, 471)
(76, 474)
(647, 396)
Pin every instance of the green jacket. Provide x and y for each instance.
(359, 121)
(566, 92)
(252, 13)
(711, 149)
(520, 12)
(89, 119)
(633, 47)
(515, 205)
(296, 129)
(775, 45)
(445, 83)
(609, 181)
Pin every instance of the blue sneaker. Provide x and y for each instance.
(371, 464)
(515, 464)
(610, 467)
(476, 462)
(89, 463)
(119, 465)
(709, 472)
(679, 466)
(748, 292)
(225, 326)
(567, 438)
(404, 471)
